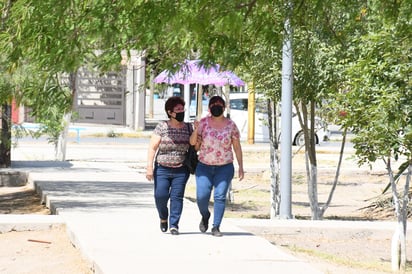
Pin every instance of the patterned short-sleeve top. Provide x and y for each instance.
(173, 146)
(216, 147)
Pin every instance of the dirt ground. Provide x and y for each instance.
(36, 252)
(337, 251)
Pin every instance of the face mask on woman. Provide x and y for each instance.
(216, 110)
(180, 116)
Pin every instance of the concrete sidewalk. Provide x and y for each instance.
(108, 208)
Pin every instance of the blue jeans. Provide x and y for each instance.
(207, 178)
(170, 183)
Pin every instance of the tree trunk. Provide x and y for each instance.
(274, 160)
(275, 184)
(313, 191)
(398, 248)
(61, 144)
(5, 145)
(336, 180)
(404, 217)
(310, 157)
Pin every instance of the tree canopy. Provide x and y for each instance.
(329, 40)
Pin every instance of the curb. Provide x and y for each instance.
(15, 222)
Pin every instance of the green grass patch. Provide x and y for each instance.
(337, 260)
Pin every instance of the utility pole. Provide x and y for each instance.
(186, 96)
(286, 121)
(251, 114)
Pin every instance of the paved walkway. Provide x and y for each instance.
(108, 208)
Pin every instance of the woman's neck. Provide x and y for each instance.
(174, 123)
(217, 122)
(217, 119)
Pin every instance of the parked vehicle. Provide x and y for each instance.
(239, 114)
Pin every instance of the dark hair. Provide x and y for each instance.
(215, 99)
(172, 102)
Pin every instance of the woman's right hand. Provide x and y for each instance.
(149, 177)
(153, 146)
(149, 174)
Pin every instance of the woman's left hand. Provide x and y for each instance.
(241, 174)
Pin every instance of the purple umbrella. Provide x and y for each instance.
(227, 78)
(166, 77)
(193, 72)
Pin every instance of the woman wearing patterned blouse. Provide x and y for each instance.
(215, 136)
(167, 150)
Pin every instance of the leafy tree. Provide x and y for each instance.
(40, 41)
(61, 38)
(376, 101)
(322, 35)
(321, 31)
(268, 84)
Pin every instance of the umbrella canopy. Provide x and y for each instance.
(193, 72)
(226, 78)
(190, 72)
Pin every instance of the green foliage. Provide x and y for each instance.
(378, 87)
(6, 88)
(47, 100)
(373, 38)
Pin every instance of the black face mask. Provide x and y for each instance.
(180, 116)
(216, 110)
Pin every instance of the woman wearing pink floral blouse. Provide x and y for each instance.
(214, 137)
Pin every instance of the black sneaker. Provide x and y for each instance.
(216, 232)
(163, 226)
(204, 225)
(174, 231)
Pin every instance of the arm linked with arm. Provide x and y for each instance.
(195, 139)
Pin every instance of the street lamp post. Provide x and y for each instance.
(285, 209)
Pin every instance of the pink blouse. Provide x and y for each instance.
(216, 147)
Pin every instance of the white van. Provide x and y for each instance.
(239, 114)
